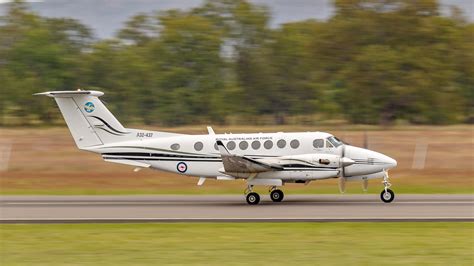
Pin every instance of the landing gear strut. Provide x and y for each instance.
(252, 197)
(276, 195)
(387, 194)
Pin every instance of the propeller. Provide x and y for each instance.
(366, 140)
(365, 182)
(342, 184)
(342, 177)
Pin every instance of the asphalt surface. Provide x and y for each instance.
(231, 208)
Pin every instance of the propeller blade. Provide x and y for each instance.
(365, 184)
(419, 156)
(342, 178)
(342, 184)
(366, 140)
(343, 154)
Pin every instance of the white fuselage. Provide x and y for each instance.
(300, 153)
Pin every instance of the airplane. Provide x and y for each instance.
(262, 159)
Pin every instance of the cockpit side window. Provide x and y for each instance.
(334, 141)
(328, 144)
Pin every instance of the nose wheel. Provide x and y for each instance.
(387, 195)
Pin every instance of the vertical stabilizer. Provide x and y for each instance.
(89, 121)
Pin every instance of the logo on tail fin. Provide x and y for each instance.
(89, 107)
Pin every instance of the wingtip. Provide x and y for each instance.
(221, 147)
(210, 130)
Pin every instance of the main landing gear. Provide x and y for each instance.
(276, 195)
(253, 198)
(387, 194)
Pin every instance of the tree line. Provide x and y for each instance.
(372, 62)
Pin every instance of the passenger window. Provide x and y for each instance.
(295, 144)
(329, 145)
(198, 146)
(215, 147)
(318, 143)
(256, 145)
(243, 145)
(231, 145)
(268, 144)
(281, 143)
(175, 147)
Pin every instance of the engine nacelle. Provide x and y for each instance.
(381, 174)
(321, 160)
(318, 159)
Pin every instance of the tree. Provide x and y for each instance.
(189, 67)
(37, 54)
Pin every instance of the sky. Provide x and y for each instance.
(106, 17)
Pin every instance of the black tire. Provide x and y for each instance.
(387, 197)
(253, 198)
(277, 195)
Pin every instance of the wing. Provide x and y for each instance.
(242, 164)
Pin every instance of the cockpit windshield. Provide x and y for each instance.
(335, 141)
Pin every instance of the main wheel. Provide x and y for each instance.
(253, 198)
(277, 195)
(387, 196)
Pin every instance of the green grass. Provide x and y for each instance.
(239, 243)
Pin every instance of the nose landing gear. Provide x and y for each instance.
(387, 195)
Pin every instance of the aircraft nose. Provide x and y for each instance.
(390, 162)
(366, 161)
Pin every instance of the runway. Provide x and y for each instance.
(233, 208)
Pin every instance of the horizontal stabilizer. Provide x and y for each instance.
(69, 93)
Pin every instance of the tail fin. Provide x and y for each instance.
(89, 121)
